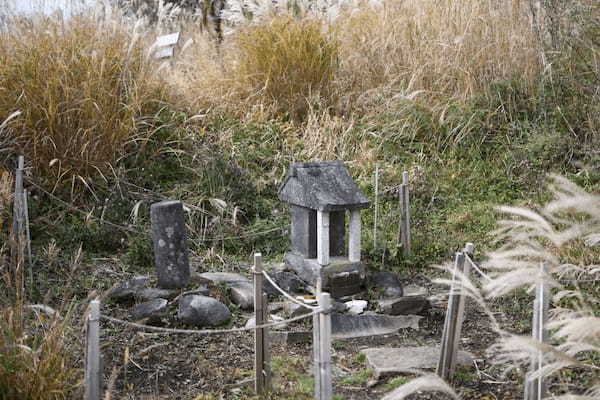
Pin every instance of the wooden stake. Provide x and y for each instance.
(536, 389)
(18, 199)
(93, 374)
(405, 215)
(454, 319)
(259, 333)
(266, 344)
(28, 238)
(325, 347)
(376, 211)
(317, 341)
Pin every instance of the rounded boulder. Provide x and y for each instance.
(201, 311)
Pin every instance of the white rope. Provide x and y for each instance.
(285, 294)
(209, 331)
(476, 267)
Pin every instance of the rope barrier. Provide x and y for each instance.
(87, 214)
(479, 271)
(285, 294)
(208, 331)
(558, 280)
(132, 230)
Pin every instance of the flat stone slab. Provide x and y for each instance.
(155, 293)
(344, 326)
(152, 309)
(387, 361)
(407, 305)
(126, 290)
(223, 277)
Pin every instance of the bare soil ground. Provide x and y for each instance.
(146, 365)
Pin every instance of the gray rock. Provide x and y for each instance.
(387, 361)
(203, 290)
(201, 311)
(288, 281)
(287, 337)
(388, 283)
(196, 278)
(240, 288)
(169, 239)
(154, 293)
(242, 294)
(344, 326)
(407, 305)
(126, 290)
(153, 309)
(223, 277)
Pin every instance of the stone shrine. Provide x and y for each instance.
(320, 194)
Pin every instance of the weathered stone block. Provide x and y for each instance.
(341, 277)
(345, 326)
(152, 309)
(404, 305)
(127, 290)
(388, 361)
(202, 311)
(388, 283)
(170, 244)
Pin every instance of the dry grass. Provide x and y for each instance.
(453, 49)
(280, 67)
(84, 88)
(35, 362)
(449, 49)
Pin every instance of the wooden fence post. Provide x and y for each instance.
(405, 215)
(535, 389)
(26, 217)
(376, 211)
(454, 317)
(93, 373)
(266, 344)
(326, 391)
(260, 317)
(18, 199)
(317, 341)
